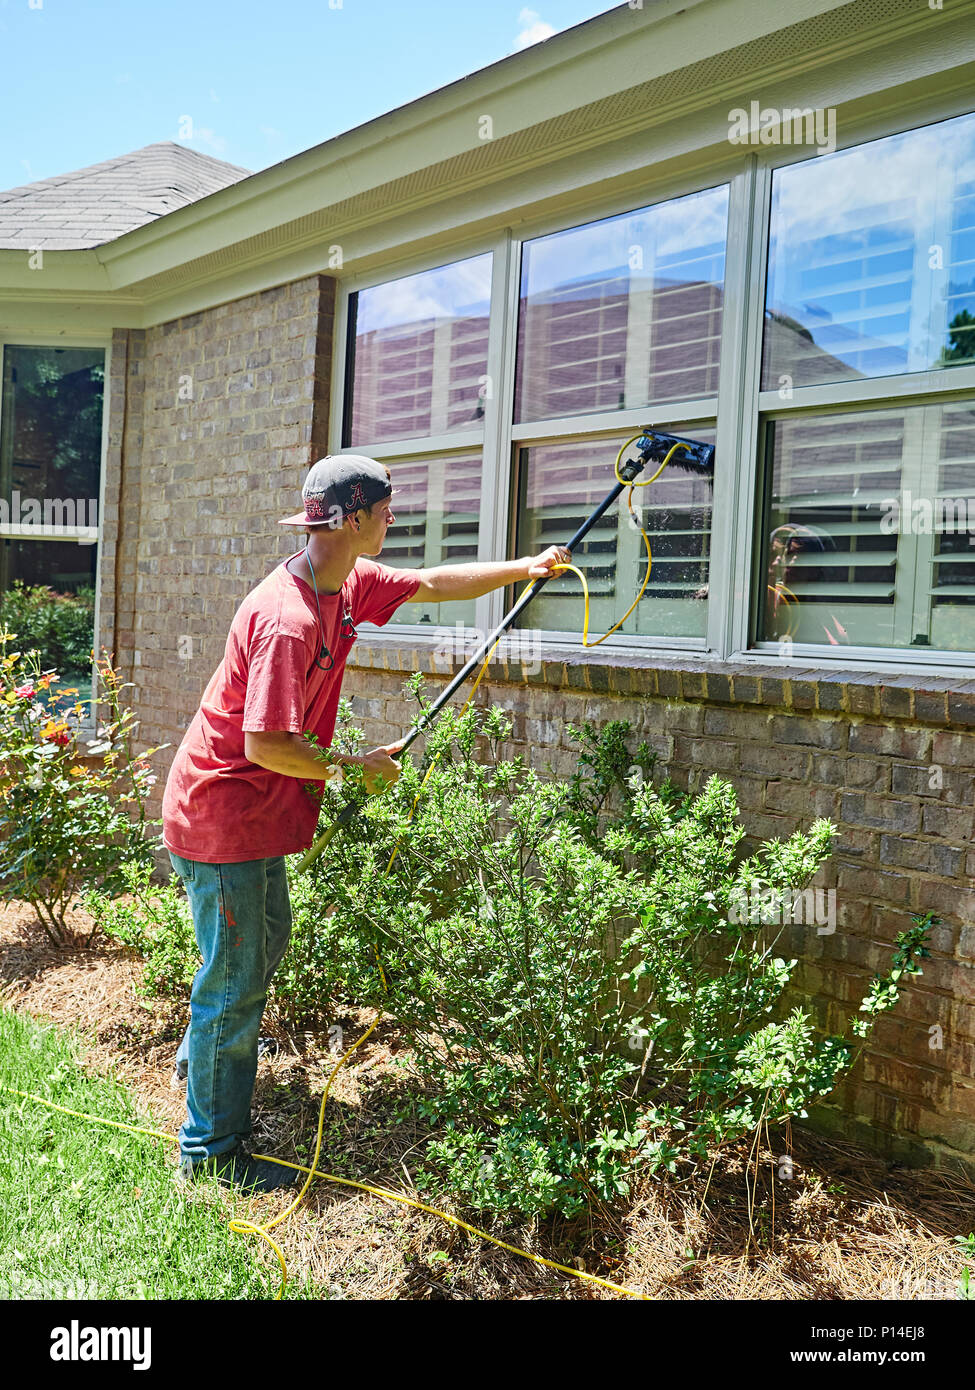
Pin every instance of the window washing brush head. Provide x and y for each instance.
(692, 457)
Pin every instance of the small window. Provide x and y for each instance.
(50, 461)
(624, 312)
(872, 260)
(560, 484)
(869, 538)
(437, 504)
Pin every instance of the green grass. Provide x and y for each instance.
(87, 1211)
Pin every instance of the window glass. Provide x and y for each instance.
(562, 483)
(50, 457)
(872, 260)
(420, 348)
(870, 532)
(623, 312)
(437, 503)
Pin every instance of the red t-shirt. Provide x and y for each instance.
(218, 807)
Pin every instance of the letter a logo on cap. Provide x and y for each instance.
(356, 498)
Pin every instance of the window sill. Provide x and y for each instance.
(799, 685)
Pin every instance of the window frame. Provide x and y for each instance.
(34, 338)
(483, 438)
(739, 412)
(888, 392)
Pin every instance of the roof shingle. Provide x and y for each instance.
(91, 206)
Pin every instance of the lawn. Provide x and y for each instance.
(93, 1212)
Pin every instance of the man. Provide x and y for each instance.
(245, 786)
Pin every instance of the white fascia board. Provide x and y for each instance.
(675, 158)
(63, 316)
(59, 272)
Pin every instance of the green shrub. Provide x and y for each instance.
(155, 921)
(64, 825)
(583, 995)
(59, 625)
(583, 998)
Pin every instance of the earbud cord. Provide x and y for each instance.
(321, 625)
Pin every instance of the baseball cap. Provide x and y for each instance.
(338, 485)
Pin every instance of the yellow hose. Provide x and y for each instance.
(253, 1228)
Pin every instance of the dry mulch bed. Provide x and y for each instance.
(847, 1225)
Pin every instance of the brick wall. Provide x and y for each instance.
(891, 765)
(224, 412)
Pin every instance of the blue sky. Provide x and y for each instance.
(87, 79)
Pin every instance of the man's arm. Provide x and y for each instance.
(447, 582)
(293, 756)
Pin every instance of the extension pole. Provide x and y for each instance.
(648, 444)
(506, 622)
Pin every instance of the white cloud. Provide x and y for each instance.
(533, 29)
(461, 287)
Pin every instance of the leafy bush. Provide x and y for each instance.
(155, 921)
(59, 625)
(64, 825)
(583, 997)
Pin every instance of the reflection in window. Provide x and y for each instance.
(50, 457)
(872, 259)
(562, 483)
(623, 312)
(420, 354)
(437, 503)
(868, 538)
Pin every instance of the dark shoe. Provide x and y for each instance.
(266, 1047)
(238, 1168)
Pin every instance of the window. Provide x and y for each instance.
(436, 502)
(623, 313)
(620, 315)
(560, 484)
(50, 463)
(869, 515)
(418, 355)
(501, 425)
(859, 548)
(872, 259)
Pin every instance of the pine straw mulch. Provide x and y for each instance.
(846, 1226)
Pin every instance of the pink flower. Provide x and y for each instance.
(24, 692)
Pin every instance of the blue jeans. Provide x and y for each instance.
(242, 919)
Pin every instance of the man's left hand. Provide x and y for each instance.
(541, 566)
